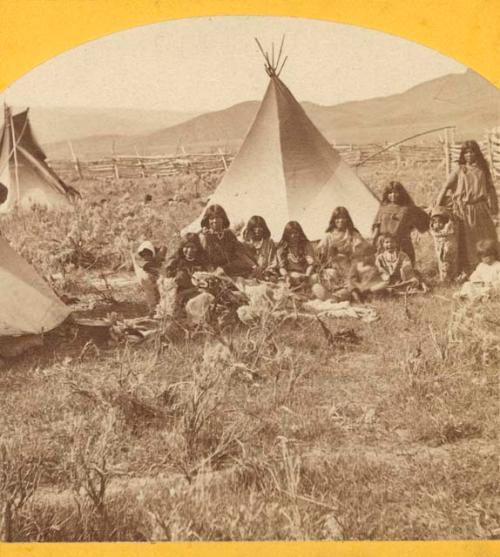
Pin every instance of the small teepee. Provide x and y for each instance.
(286, 170)
(23, 170)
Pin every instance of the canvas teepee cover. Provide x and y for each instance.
(28, 304)
(23, 169)
(286, 170)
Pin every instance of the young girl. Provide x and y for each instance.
(399, 216)
(394, 265)
(188, 259)
(295, 256)
(221, 245)
(486, 276)
(474, 202)
(260, 246)
(444, 233)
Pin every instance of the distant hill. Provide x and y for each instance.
(59, 124)
(466, 101)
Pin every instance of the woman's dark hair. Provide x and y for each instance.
(213, 211)
(341, 213)
(4, 192)
(292, 226)
(405, 199)
(471, 145)
(254, 221)
(189, 239)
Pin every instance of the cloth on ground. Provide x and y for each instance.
(329, 308)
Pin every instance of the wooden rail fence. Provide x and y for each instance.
(445, 153)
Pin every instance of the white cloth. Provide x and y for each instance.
(487, 274)
(483, 281)
(329, 308)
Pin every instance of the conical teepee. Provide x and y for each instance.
(23, 170)
(28, 304)
(286, 170)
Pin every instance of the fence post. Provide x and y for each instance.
(141, 164)
(76, 162)
(223, 159)
(446, 153)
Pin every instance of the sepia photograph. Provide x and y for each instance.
(250, 288)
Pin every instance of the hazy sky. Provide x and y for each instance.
(211, 63)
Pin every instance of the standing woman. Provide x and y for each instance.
(399, 216)
(295, 256)
(473, 201)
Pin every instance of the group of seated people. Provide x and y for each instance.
(341, 266)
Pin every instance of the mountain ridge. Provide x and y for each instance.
(466, 101)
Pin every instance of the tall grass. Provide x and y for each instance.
(259, 433)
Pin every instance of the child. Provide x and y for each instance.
(260, 246)
(444, 233)
(364, 276)
(147, 263)
(221, 245)
(295, 256)
(486, 277)
(188, 259)
(399, 216)
(394, 265)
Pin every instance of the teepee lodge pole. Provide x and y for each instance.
(281, 50)
(14, 149)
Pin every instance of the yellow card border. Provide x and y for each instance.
(34, 31)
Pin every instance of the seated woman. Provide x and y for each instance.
(260, 246)
(295, 256)
(399, 216)
(335, 251)
(188, 259)
(394, 265)
(341, 238)
(221, 245)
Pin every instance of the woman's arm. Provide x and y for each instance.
(450, 185)
(281, 261)
(379, 264)
(492, 197)
(310, 259)
(376, 225)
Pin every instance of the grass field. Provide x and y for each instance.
(265, 433)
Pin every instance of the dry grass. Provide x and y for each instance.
(267, 433)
